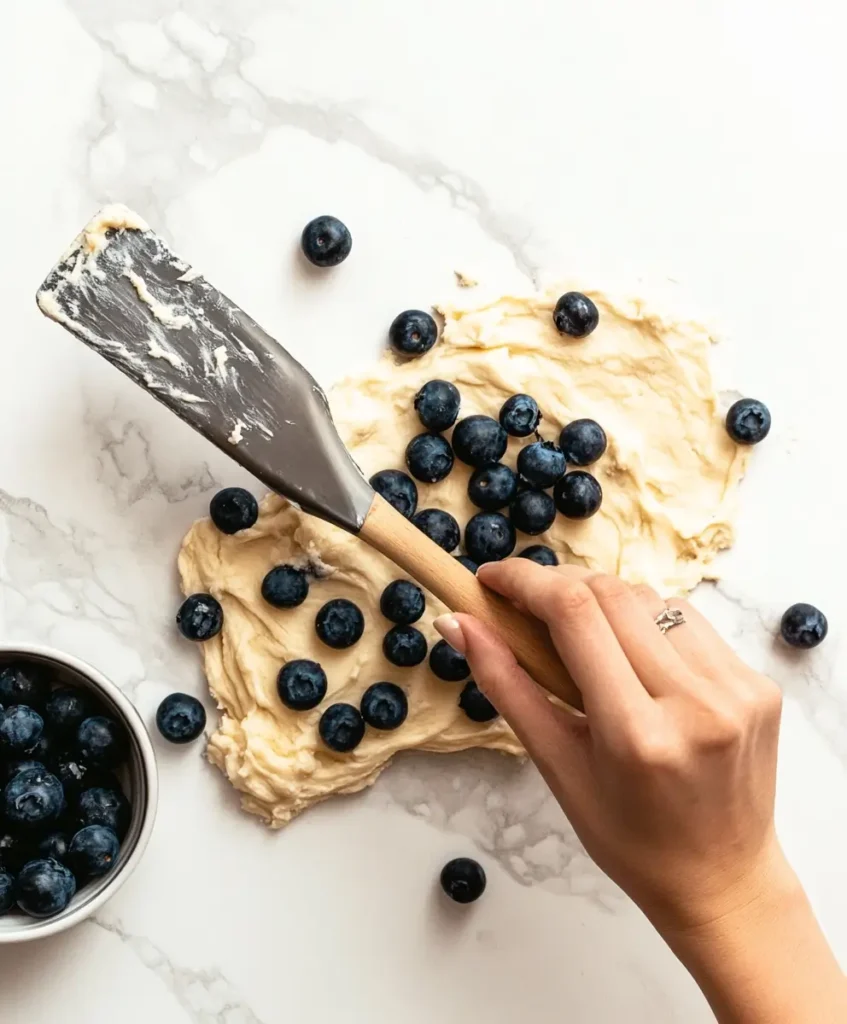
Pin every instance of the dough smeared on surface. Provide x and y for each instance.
(669, 477)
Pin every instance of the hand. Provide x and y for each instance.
(669, 780)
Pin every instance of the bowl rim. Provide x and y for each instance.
(134, 722)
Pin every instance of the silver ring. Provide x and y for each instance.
(668, 618)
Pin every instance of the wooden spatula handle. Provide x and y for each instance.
(398, 539)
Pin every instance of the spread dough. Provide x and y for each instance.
(669, 478)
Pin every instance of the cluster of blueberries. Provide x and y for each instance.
(64, 812)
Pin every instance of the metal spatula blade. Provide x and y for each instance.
(123, 291)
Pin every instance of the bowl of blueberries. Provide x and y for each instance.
(78, 797)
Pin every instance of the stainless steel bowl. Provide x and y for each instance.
(140, 781)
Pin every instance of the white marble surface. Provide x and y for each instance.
(698, 141)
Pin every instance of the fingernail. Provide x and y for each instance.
(448, 626)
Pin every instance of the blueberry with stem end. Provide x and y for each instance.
(200, 617)
(520, 415)
(285, 586)
(437, 404)
(429, 458)
(301, 684)
(575, 315)
(44, 888)
(33, 798)
(384, 706)
(492, 487)
(326, 241)
(748, 421)
(489, 537)
(180, 718)
(413, 333)
(541, 464)
(339, 623)
(404, 646)
(342, 727)
(20, 730)
(93, 852)
(233, 509)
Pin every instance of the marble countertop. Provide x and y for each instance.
(701, 143)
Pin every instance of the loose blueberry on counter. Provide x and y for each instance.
(44, 888)
(540, 554)
(101, 741)
(102, 805)
(384, 706)
(20, 730)
(578, 495)
(93, 852)
(541, 463)
(582, 442)
(285, 586)
(468, 563)
(24, 683)
(492, 487)
(532, 512)
(404, 646)
(33, 798)
(437, 404)
(429, 458)
(233, 509)
(748, 421)
(301, 684)
(575, 315)
(53, 845)
(402, 602)
(439, 526)
(200, 617)
(326, 241)
(475, 704)
(342, 727)
(489, 537)
(7, 892)
(446, 663)
(398, 489)
(413, 333)
(803, 625)
(479, 440)
(463, 880)
(64, 711)
(520, 415)
(339, 623)
(180, 718)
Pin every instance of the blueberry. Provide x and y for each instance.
(413, 333)
(479, 440)
(437, 404)
(44, 888)
(326, 242)
(93, 851)
(33, 798)
(233, 509)
(101, 741)
(582, 442)
(180, 718)
(492, 487)
(540, 554)
(339, 623)
(463, 880)
(489, 536)
(578, 495)
(20, 730)
(475, 704)
(52, 845)
(200, 617)
(301, 684)
(541, 463)
(438, 526)
(285, 586)
(11, 768)
(7, 892)
(44, 750)
(575, 315)
(404, 646)
(398, 489)
(468, 563)
(65, 710)
(446, 663)
(748, 421)
(402, 602)
(14, 851)
(102, 805)
(341, 727)
(384, 706)
(429, 458)
(520, 415)
(24, 683)
(532, 512)
(803, 625)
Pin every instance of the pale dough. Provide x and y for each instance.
(669, 479)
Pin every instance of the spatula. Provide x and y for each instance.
(121, 290)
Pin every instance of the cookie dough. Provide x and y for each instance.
(669, 478)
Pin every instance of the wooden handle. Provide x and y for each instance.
(397, 538)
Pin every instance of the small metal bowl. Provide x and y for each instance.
(140, 783)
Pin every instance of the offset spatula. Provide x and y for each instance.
(121, 290)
